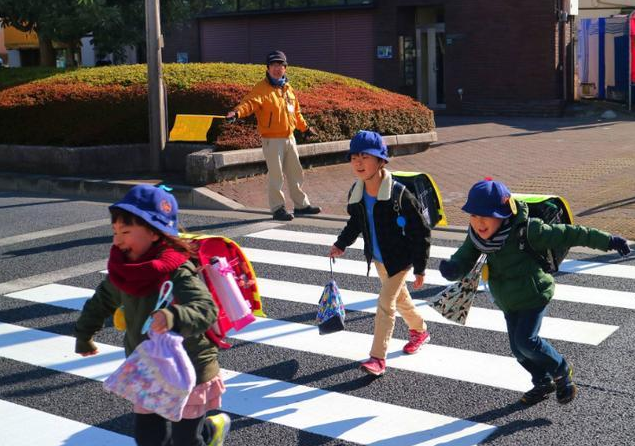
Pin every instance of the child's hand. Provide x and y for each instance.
(449, 270)
(418, 281)
(335, 252)
(619, 244)
(159, 322)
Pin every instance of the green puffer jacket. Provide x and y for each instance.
(193, 312)
(516, 280)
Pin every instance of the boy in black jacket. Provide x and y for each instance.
(396, 238)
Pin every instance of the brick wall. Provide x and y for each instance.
(503, 54)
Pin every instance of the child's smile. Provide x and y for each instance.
(485, 227)
(133, 240)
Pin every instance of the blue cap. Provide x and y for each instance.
(489, 198)
(153, 205)
(370, 143)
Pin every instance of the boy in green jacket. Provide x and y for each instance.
(520, 287)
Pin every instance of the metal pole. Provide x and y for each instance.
(156, 101)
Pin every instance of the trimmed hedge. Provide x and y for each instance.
(108, 105)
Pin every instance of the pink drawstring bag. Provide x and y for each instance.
(157, 376)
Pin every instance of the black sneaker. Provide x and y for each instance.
(282, 215)
(309, 210)
(566, 390)
(539, 393)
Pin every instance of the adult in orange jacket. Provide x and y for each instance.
(277, 111)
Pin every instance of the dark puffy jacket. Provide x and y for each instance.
(194, 313)
(516, 280)
(398, 251)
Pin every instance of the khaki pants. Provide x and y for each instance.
(393, 296)
(281, 155)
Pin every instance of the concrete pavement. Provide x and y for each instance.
(587, 160)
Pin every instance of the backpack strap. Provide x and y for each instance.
(525, 246)
(398, 190)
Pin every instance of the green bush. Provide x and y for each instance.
(108, 105)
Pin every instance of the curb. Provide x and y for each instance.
(110, 190)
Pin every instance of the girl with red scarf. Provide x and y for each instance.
(146, 252)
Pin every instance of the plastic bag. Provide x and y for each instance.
(157, 376)
(454, 302)
(331, 313)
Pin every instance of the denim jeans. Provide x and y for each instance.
(536, 355)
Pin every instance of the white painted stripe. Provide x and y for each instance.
(356, 419)
(64, 296)
(53, 232)
(321, 239)
(53, 276)
(52, 430)
(443, 252)
(595, 296)
(295, 406)
(464, 365)
(482, 318)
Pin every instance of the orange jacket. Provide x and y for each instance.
(277, 110)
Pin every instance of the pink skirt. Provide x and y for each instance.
(204, 397)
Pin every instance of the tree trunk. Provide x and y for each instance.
(47, 53)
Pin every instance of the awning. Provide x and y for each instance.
(18, 40)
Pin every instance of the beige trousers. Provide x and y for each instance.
(281, 156)
(393, 296)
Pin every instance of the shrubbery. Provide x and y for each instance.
(108, 105)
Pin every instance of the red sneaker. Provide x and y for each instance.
(417, 339)
(374, 366)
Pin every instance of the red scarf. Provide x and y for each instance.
(145, 276)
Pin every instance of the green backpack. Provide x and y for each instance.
(551, 209)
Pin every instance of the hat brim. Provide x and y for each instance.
(474, 210)
(145, 216)
(374, 152)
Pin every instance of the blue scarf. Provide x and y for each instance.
(276, 82)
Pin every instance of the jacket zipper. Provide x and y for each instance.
(270, 118)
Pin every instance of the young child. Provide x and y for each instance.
(395, 239)
(520, 288)
(146, 251)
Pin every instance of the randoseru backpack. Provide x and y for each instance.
(551, 209)
(425, 190)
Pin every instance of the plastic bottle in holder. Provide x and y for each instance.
(238, 310)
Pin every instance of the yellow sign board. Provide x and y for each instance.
(192, 127)
(17, 40)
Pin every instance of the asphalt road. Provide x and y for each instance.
(286, 384)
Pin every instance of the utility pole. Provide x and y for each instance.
(156, 94)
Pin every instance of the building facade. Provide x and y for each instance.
(463, 56)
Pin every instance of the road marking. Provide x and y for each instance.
(53, 232)
(64, 296)
(571, 293)
(296, 406)
(52, 430)
(448, 362)
(443, 252)
(482, 318)
(53, 276)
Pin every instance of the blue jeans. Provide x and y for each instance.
(535, 354)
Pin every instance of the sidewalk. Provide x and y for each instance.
(588, 161)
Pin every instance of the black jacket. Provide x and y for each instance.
(398, 251)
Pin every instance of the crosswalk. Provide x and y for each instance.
(292, 270)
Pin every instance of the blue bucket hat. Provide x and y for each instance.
(489, 198)
(368, 142)
(153, 205)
